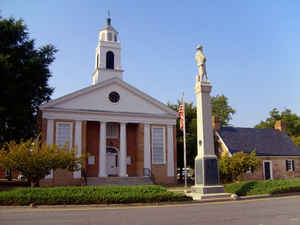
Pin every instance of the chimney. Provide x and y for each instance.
(280, 126)
(216, 123)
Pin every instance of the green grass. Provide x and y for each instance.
(264, 187)
(89, 195)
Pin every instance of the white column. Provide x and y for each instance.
(102, 151)
(123, 152)
(50, 140)
(78, 135)
(170, 151)
(147, 156)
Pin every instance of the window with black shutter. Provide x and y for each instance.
(289, 164)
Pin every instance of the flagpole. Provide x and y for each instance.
(184, 143)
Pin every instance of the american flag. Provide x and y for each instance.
(181, 115)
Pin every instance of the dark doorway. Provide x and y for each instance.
(267, 170)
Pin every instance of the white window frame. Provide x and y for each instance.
(117, 130)
(164, 144)
(271, 169)
(71, 135)
(292, 168)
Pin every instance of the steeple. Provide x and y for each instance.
(108, 54)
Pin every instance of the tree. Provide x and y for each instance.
(35, 160)
(296, 140)
(220, 106)
(222, 109)
(232, 168)
(23, 82)
(291, 120)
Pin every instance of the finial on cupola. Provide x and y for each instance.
(108, 20)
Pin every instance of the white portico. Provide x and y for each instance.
(124, 131)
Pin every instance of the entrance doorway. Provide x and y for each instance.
(268, 175)
(111, 161)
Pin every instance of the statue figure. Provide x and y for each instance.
(201, 60)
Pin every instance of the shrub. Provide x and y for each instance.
(89, 195)
(232, 168)
(35, 160)
(264, 187)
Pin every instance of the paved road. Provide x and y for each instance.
(277, 211)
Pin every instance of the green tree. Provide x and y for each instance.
(219, 107)
(291, 120)
(232, 168)
(23, 82)
(35, 160)
(296, 140)
(222, 109)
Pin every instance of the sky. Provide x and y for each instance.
(252, 47)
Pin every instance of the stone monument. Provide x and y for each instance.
(206, 163)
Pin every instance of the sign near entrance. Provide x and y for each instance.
(91, 160)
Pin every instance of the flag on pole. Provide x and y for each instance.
(181, 116)
(182, 127)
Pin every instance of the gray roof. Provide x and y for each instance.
(266, 142)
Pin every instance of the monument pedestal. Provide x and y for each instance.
(207, 182)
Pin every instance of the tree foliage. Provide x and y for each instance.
(296, 140)
(24, 80)
(232, 168)
(222, 109)
(35, 160)
(220, 106)
(291, 120)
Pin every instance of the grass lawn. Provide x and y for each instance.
(89, 195)
(263, 187)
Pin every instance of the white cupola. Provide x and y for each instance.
(108, 55)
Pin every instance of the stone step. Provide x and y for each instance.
(122, 181)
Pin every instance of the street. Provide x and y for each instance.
(275, 211)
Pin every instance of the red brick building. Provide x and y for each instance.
(279, 155)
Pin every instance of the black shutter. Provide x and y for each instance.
(287, 165)
(293, 164)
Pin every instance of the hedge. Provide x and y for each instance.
(264, 187)
(89, 195)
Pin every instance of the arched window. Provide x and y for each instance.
(110, 60)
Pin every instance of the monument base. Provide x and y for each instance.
(199, 192)
(200, 189)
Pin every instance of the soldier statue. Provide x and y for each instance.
(201, 63)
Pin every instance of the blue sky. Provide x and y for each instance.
(252, 47)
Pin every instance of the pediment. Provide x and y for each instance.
(96, 97)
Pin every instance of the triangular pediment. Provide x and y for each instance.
(96, 97)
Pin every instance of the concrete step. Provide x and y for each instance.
(122, 181)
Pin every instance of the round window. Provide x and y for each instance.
(114, 97)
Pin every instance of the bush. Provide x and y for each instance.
(35, 160)
(232, 168)
(264, 187)
(89, 195)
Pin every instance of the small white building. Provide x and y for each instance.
(124, 131)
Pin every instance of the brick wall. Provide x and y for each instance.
(131, 148)
(278, 168)
(60, 178)
(93, 147)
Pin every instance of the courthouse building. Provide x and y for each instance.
(124, 132)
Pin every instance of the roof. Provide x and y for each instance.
(266, 142)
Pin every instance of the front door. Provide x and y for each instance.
(111, 162)
(268, 170)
